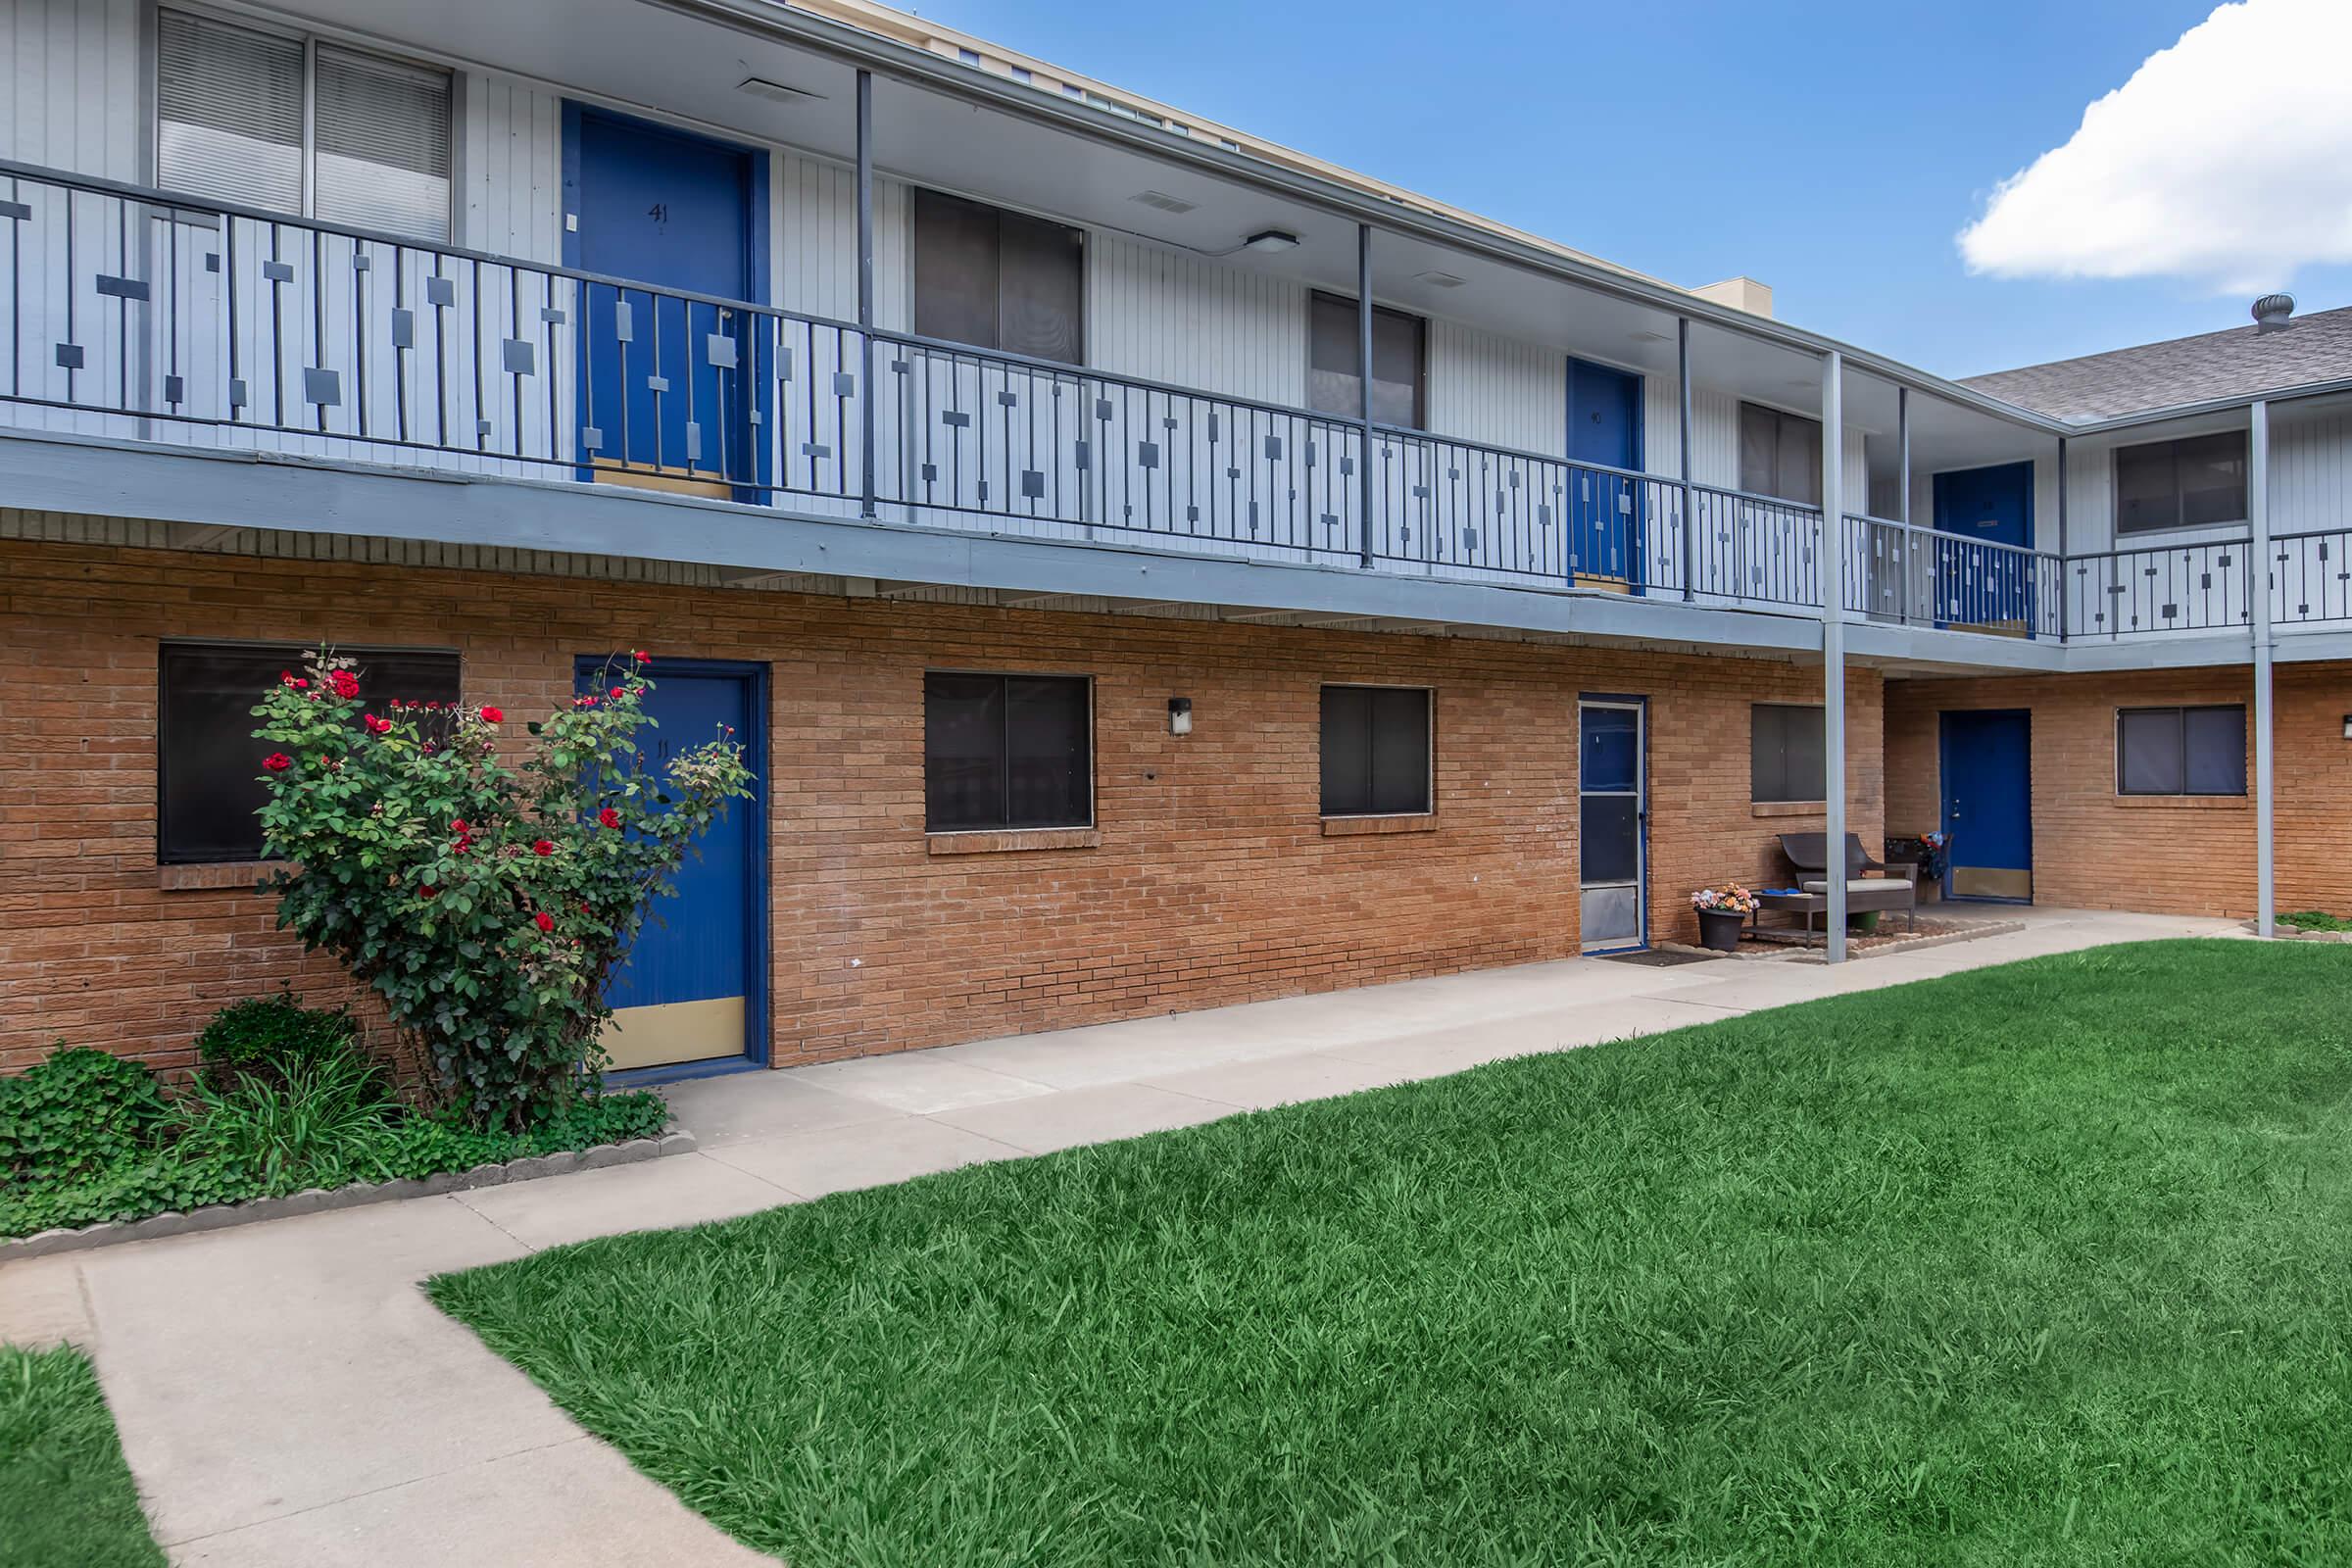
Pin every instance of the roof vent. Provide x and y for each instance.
(1163, 201)
(2272, 313)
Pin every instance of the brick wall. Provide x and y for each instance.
(1213, 880)
(2097, 849)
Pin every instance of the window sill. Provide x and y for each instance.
(1339, 827)
(238, 874)
(2185, 803)
(1007, 841)
(1788, 808)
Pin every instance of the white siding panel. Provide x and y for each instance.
(511, 151)
(72, 74)
(1164, 316)
(1497, 392)
(813, 217)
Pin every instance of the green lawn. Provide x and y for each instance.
(2049, 1263)
(66, 1496)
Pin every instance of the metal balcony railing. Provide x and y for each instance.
(140, 313)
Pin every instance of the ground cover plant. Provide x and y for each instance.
(66, 1496)
(2043, 1263)
(2316, 921)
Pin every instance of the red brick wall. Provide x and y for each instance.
(1213, 880)
(2096, 849)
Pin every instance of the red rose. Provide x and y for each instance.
(583, 906)
(641, 656)
(492, 715)
(376, 726)
(543, 847)
(457, 824)
(277, 762)
(546, 921)
(608, 817)
(429, 890)
(617, 693)
(345, 683)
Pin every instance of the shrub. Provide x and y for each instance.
(2316, 921)
(267, 1037)
(75, 1113)
(325, 1121)
(486, 905)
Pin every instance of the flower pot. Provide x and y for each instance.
(1866, 922)
(1719, 929)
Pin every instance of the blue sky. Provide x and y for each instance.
(1834, 157)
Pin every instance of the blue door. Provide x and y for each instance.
(669, 393)
(693, 987)
(1613, 821)
(1989, 805)
(1604, 426)
(1987, 589)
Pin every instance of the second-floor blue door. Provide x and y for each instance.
(1978, 582)
(1604, 509)
(672, 383)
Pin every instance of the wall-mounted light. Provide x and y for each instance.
(2349, 726)
(1270, 239)
(1180, 715)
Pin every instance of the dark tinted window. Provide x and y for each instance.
(1335, 356)
(208, 765)
(2180, 751)
(1788, 760)
(998, 279)
(1006, 751)
(2181, 484)
(1780, 455)
(1375, 751)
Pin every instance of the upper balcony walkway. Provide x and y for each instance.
(133, 315)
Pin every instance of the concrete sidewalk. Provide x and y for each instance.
(288, 1395)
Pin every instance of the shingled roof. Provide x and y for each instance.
(2239, 362)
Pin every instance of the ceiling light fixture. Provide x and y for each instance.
(1439, 279)
(1270, 239)
(762, 87)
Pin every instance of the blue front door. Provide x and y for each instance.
(1604, 427)
(692, 986)
(672, 383)
(1984, 588)
(1988, 805)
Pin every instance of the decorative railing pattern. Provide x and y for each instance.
(136, 314)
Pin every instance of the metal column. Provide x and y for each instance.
(1832, 640)
(1915, 574)
(1682, 376)
(1363, 386)
(2258, 589)
(866, 391)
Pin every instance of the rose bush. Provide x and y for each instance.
(486, 904)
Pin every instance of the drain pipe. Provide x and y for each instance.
(2258, 588)
(1832, 641)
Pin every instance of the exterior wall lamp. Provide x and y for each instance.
(1180, 717)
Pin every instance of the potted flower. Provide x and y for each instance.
(1722, 911)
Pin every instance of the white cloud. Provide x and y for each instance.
(2225, 160)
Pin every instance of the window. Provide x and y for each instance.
(998, 279)
(2180, 751)
(1786, 755)
(231, 106)
(1335, 359)
(2189, 483)
(207, 764)
(1375, 751)
(1780, 455)
(1006, 751)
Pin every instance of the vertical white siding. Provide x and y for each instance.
(73, 79)
(1496, 391)
(1162, 315)
(511, 152)
(813, 224)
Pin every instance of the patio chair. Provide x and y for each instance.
(1808, 855)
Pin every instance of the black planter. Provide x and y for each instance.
(1719, 929)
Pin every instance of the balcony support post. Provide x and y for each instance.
(1832, 642)
(1902, 505)
(2064, 542)
(866, 392)
(1682, 376)
(2258, 589)
(1363, 387)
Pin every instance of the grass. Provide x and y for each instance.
(2045, 1264)
(2316, 921)
(66, 1496)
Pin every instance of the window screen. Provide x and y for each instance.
(2191, 483)
(998, 279)
(1780, 455)
(1375, 751)
(1335, 357)
(2180, 751)
(1787, 756)
(208, 763)
(383, 144)
(1006, 751)
(228, 111)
